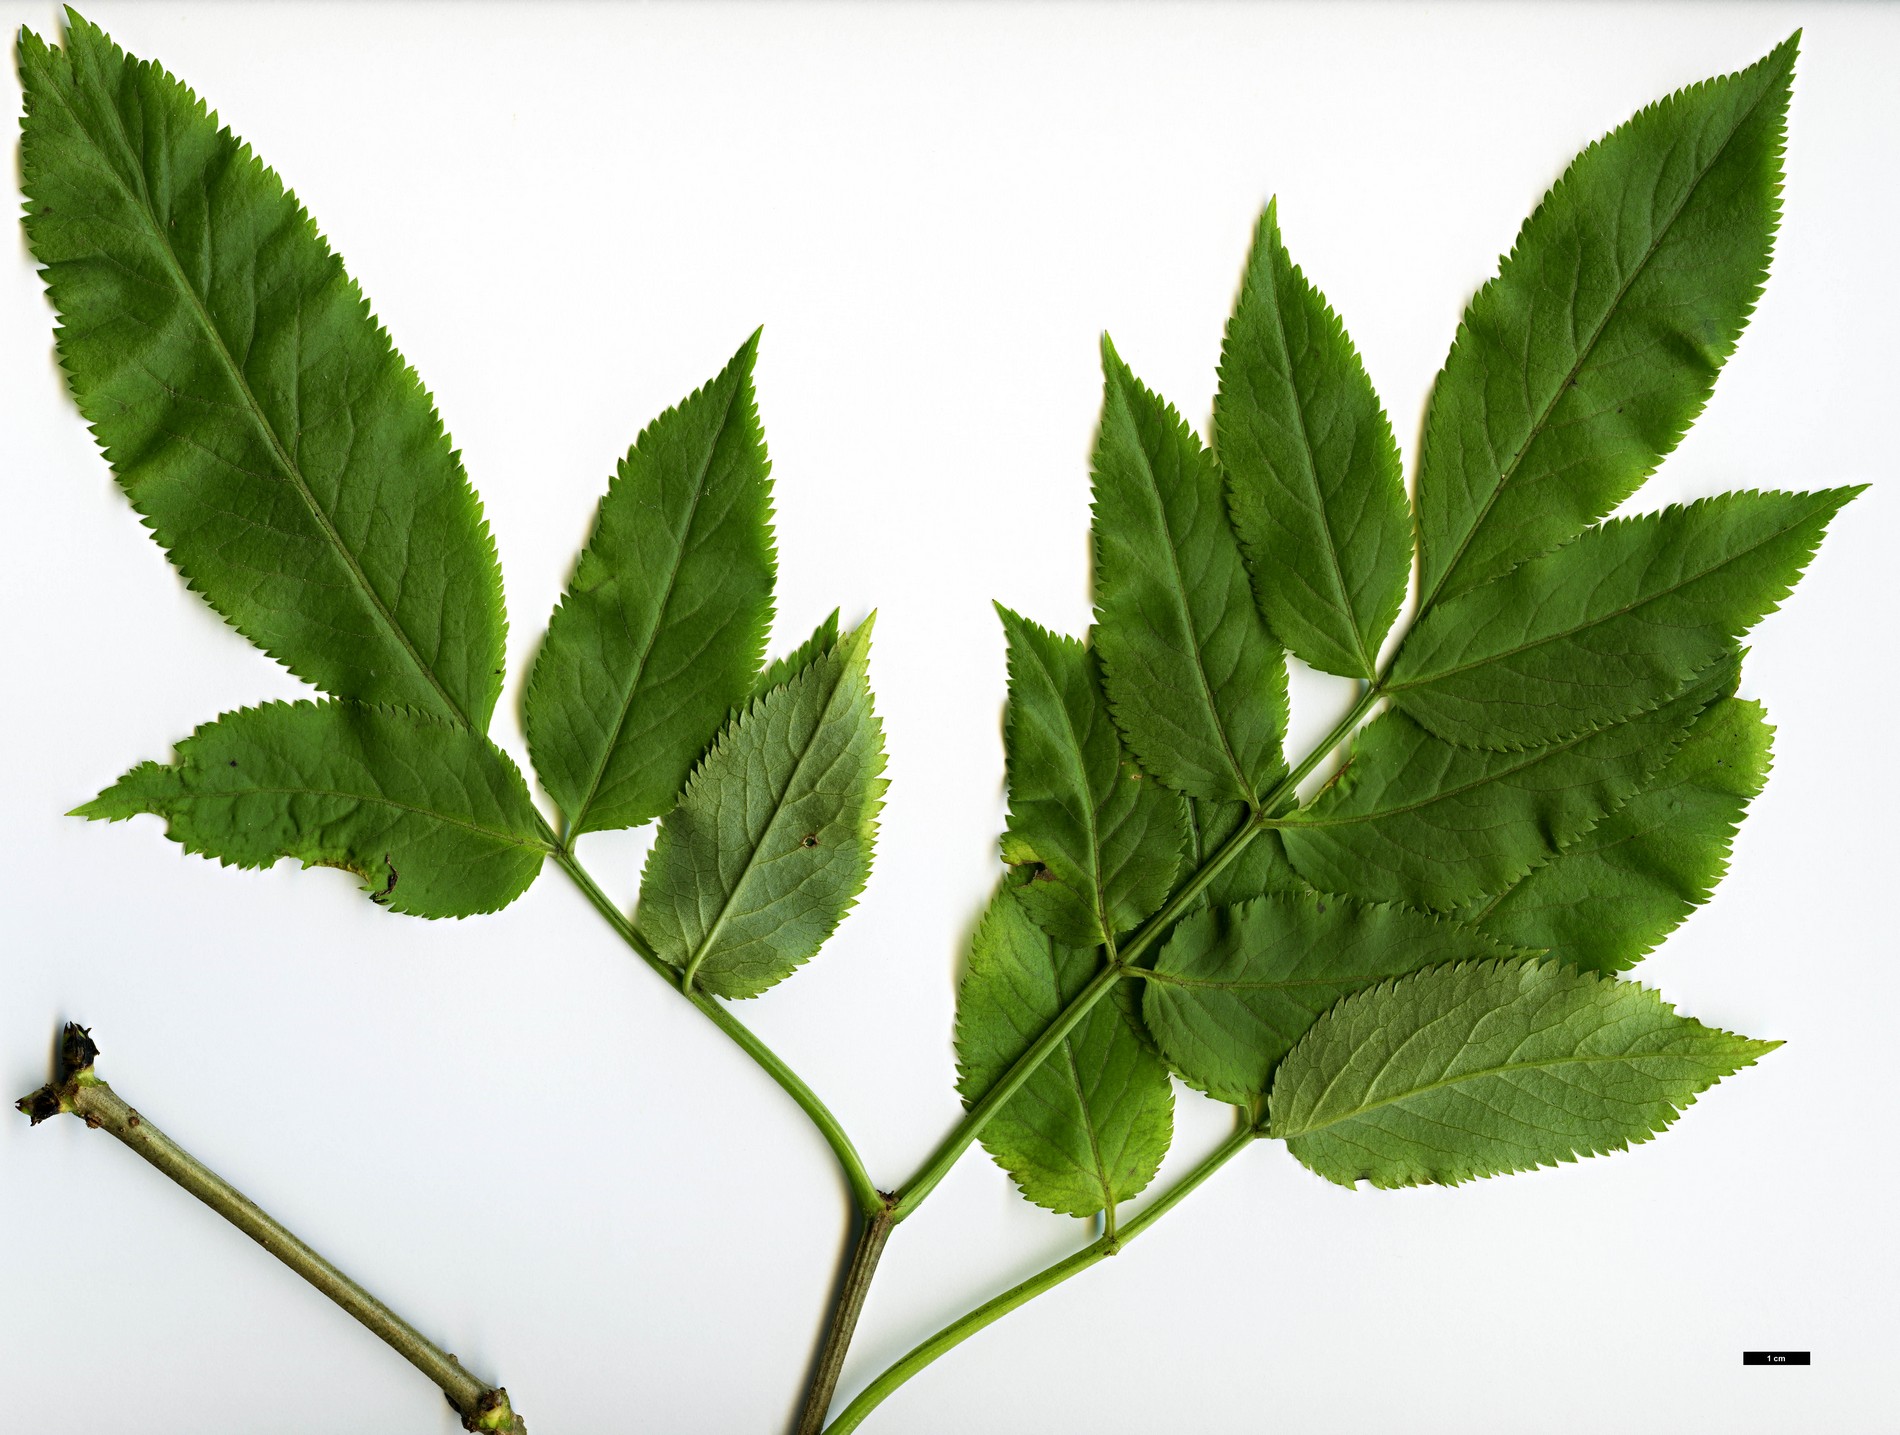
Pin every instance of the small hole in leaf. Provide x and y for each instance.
(810, 839)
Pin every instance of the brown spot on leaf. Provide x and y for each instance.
(381, 898)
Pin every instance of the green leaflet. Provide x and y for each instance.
(1236, 987)
(1194, 678)
(1609, 624)
(1312, 468)
(279, 449)
(1608, 897)
(1583, 362)
(1260, 868)
(782, 670)
(435, 819)
(1103, 838)
(771, 842)
(1487, 1068)
(1414, 819)
(659, 635)
(1089, 1127)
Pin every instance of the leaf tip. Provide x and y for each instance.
(1266, 231)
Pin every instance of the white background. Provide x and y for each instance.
(568, 218)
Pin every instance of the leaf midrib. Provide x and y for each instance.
(1480, 1074)
(1247, 789)
(1212, 984)
(1657, 596)
(1334, 568)
(1532, 757)
(659, 620)
(467, 824)
(143, 203)
(1509, 472)
(1075, 1084)
(1072, 751)
(703, 948)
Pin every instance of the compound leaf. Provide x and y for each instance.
(1609, 624)
(435, 819)
(1195, 680)
(1580, 366)
(659, 635)
(1608, 897)
(1312, 468)
(1089, 1127)
(1236, 987)
(1492, 1067)
(1101, 838)
(771, 841)
(280, 450)
(1413, 819)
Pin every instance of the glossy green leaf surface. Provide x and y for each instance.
(278, 447)
(1492, 1067)
(435, 819)
(1609, 624)
(1101, 838)
(1312, 468)
(1580, 366)
(771, 842)
(1089, 1128)
(1608, 897)
(1236, 987)
(1417, 820)
(1195, 681)
(659, 635)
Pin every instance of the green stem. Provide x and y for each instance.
(1159, 925)
(1343, 729)
(968, 1324)
(81, 1093)
(844, 1320)
(864, 1191)
(912, 1193)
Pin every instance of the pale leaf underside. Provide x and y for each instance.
(782, 670)
(771, 842)
(1487, 1068)
(1236, 987)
